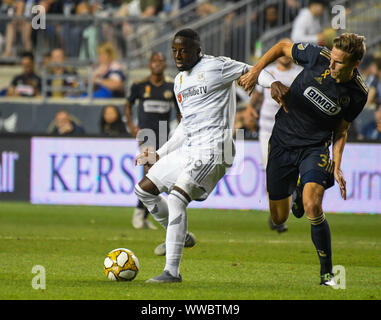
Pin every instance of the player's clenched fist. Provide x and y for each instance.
(249, 80)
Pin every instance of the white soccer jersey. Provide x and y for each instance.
(207, 102)
(269, 106)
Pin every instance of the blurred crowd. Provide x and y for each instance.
(78, 34)
(105, 45)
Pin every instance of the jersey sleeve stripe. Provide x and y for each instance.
(360, 82)
(292, 56)
(326, 54)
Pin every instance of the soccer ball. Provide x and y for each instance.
(121, 265)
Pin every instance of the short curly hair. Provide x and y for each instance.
(351, 43)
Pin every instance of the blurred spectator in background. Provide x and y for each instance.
(72, 31)
(26, 84)
(90, 35)
(205, 8)
(307, 25)
(201, 10)
(144, 32)
(271, 17)
(368, 69)
(108, 76)
(156, 101)
(64, 124)
(60, 76)
(291, 10)
(372, 130)
(17, 9)
(111, 123)
(52, 35)
(374, 96)
(247, 121)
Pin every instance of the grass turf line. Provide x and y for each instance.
(236, 257)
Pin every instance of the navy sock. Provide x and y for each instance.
(321, 238)
(141, 206)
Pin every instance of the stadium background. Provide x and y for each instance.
(236, 256)
(240, 29)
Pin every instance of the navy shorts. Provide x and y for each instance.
(284, 166)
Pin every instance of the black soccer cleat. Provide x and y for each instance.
(328, 280)
(280, 228)
(297, 201)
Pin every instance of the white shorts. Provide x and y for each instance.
(264, 137)
(196, 177)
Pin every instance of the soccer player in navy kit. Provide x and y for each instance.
(316, 110)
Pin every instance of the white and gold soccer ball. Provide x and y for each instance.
(121, 265)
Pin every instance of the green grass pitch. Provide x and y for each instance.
(237, 256)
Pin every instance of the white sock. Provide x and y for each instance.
(156, 205)
(176, 232)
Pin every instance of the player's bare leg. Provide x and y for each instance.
(320, 233)
(279, 210)
(274, 226)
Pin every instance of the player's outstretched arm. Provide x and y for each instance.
(174, 142)
(340, 135)
(249, 80)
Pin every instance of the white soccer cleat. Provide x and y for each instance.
(328, 279)
(138, 218)
(148, 224)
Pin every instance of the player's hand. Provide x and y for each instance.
(339, 177)
(147, 158)
(279, 92)
(249, 80)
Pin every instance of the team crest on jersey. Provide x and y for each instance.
(319, 79)
(321, 101)
(201, 76)
(344, 101)
(179, 98)
(168, 94)
(302, 46)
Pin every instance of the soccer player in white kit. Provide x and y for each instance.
(285, 71)
(189, 165)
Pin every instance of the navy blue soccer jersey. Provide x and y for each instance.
(316, 103)
(155, 103)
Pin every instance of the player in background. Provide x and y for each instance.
(317, 109)
(156, 100)
(197, 155)
(285, 71)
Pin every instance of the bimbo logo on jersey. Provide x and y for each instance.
(7, 171)
(194, 91)
(320, 100)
